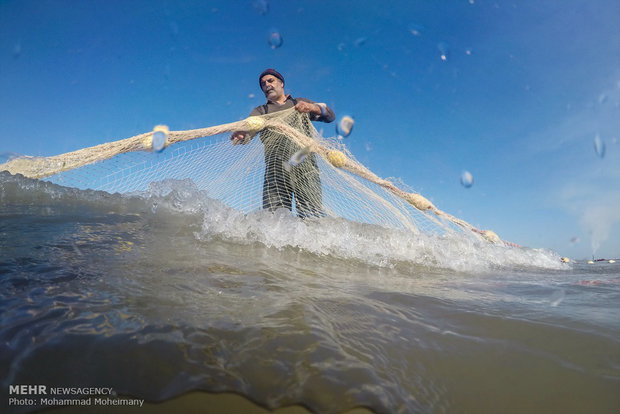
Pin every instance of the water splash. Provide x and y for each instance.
(415, 29)
(444, 51)
(345, 126)
(297, 158)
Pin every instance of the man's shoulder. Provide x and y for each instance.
(259, 110)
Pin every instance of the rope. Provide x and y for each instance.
(41, 167)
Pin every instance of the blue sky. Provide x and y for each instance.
(525, 88)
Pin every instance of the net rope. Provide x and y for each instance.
(291, 166)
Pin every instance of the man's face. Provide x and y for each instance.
(272, 87)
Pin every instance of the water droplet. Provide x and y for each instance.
(275, 39)
(360, 41)
(261, 6)
(602, 98)
(154, 208)
(345, 126)
(415, 29)
(174, 29)
(341, 46)
(599, 146)
(251, 96)
(167, 71)
(557, 297)
(444, 51)
(468, 52)
(77, 249)
(467, 180)
(297, 158)
(159, 141)
(159, 138)
(17, 50)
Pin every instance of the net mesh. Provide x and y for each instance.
(284, 163)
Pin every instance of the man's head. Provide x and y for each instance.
(272, 84)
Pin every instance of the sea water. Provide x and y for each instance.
(159, 293)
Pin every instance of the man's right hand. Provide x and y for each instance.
(239, 137)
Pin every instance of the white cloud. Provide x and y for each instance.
(599, 220)
(582, 183)
(592, 193)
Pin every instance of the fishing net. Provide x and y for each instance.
(283, 163)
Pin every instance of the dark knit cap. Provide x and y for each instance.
(271, 72)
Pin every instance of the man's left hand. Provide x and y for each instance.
(306, 107)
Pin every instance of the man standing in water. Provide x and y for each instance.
(284, 179)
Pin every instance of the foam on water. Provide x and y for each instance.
(335, 237)
(346, 239)
(368, 243)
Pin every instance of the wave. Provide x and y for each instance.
(326, 237)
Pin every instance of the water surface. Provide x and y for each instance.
(165, 292)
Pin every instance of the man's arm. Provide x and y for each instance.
(317, 111)
(244, 137)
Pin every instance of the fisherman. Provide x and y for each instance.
(283, 178)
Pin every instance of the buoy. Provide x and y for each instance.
(420, 202)
(590, 262)
(565, 259)
(490, 236)
(255, 123)
(612, 261)
(337, 158)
